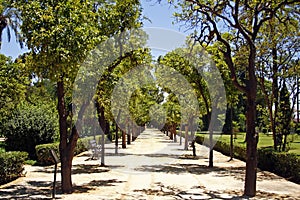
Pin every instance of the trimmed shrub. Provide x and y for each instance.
(284, 164)
(29, 126)
(43, 153)
(11, 165)
(44, 156)
(224, 148)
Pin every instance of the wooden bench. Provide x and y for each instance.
(95, 148)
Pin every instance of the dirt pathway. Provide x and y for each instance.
(151, 168)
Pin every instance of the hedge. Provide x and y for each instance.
(43, 151)
(283, 164)
(11, 165)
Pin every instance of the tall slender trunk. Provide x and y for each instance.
(174, 132)
(180, 137)
(102, 123)
(128, 134)
(186, 139)
(171, 132)
(284, 142)
(231, 131)
(65, 157)
(117, 135)
(116, 139)
(133, 134)
(275, 91)
(107, 131)
(251, 135)
(123, 139)
(211, 149)
(210, 130)
(251, 162)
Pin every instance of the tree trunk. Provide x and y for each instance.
(180, 138)
(103, 149)
(116, 139)
(174, 132)
(123, 139)
(102, 123)
(128, 135)
(284, 142)
(211, 149)
(251, 162)
(171, 132)
(194, 147)
(65, 156)
(210, 130)
(251, 135)
(133, 134)
(275, 90)
(107, 131)
(186, 140)
(231, 132)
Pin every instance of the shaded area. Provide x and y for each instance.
(200, 192)
(235, 172)
(179, 168)
(43, 189)
(94, 184)
(33, 190)
(88, 169)
(161, 155)
(76, 169)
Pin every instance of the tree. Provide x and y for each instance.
(59, 34)
(277, 50)
(285, 115)
(13, 84)
(9, 20)
(200, 71)
(243, 19)
(173, 115)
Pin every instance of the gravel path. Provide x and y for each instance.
(152, 167)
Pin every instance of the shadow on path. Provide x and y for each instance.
(43, 189)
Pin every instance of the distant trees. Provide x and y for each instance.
(277, 61)
(9, 20)
(14, 80)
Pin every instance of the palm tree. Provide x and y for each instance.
(9, 20)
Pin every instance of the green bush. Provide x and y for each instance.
(43, 151)
(11, 165)
(29, 126)
(284, 164)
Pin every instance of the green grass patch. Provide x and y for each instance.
(30, 162)
(265, 141)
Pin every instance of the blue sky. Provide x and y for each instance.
(161, 16)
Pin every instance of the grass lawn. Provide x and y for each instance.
(265, 140)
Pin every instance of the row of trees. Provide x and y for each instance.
(59, 35)
(245, 38)
(243, 32)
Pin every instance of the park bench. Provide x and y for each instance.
(95, 148)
